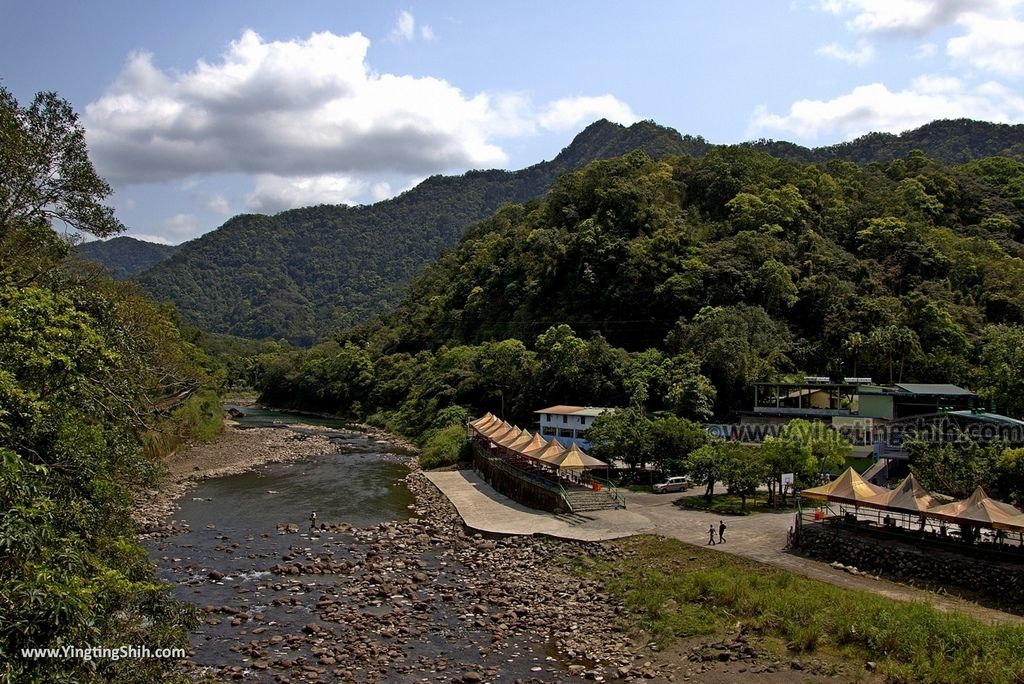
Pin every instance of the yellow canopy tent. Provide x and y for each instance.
(849, 488)
(536, 443)
(550, 451)
(482, 420)
(980, 509)
(509, 437)
(524, 438)
(575, 458)
(908, 497)
(500, 431)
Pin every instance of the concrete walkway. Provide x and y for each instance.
(758, 537)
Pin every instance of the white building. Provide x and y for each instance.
(568, 424)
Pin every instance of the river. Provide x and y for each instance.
(277, 597)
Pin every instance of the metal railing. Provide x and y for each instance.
(617, 496)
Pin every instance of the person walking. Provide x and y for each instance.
(711, 535)
(721, 532)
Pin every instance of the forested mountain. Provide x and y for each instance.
(125, 256)
(676, 284)
(952, 141)
(303, 274)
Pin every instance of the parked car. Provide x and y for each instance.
(672, 484)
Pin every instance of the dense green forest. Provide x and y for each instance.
(125, 256)
(305, 274)
(96, 385)
(674, 284)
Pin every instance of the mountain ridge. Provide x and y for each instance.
(305, 273)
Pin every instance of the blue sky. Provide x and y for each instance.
(196, 111)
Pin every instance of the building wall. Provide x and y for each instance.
(875, 406)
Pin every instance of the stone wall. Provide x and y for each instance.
(1002, 582)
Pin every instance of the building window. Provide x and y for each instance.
(565, 419)
(565, 433)
(548, 431)
(583, 420)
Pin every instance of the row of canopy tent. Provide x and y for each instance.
(533, 446)
(910, 497)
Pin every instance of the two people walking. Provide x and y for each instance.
(721, 533)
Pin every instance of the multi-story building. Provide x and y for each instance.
(568, 424)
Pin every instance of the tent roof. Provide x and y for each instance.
(849, 487)
(908, 497)
(482, 420)
(550, 451)
(980, 508)
(498, 432)
(575, 458)
(509, 438)
(536, 443)
(524, 438)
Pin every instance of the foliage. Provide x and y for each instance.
(303, 274)
(957, 466)
(624, 434)
(672, 440)
(743, 469)
(445, 447)
(125, 256)
(96, 383)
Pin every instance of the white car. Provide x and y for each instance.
(672, 484)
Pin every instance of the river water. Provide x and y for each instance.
(255, 618)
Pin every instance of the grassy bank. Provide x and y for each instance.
(673, 590)
(200, 418)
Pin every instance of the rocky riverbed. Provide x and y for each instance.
(414, 598)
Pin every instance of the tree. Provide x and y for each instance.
(672, 440)
(827, 447)
(625, 434)
(743, 469)
(705, 465)
(781, 455)
(45, 177)
(1001, 372)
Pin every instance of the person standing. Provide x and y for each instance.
(721, 532)
(312, 520)
(711, 535)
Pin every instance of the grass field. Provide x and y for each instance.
(673, 590)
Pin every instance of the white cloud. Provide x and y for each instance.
(180, 227)
(380, 191)
(218, 204)
(925, 51)
(993, 44)
(405, 27)
(570, 112)
(276, 193)
(860, 56)
(295, 108)
(915, 17)
(427, 32)
(159, 239)
(876, 108)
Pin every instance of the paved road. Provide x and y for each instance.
(758, 537)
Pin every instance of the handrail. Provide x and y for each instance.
(616, 494)
(565, 497)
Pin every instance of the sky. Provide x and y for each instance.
(198, 111)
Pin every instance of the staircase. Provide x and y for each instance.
(589, 500)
